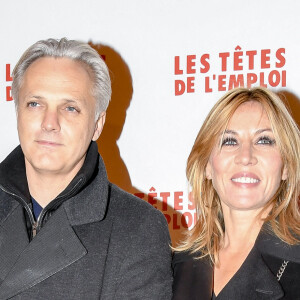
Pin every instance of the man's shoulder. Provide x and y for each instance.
(139, 245)
(126, 201)
(131, 209)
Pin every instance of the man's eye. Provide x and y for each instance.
(32, 104)
(265, 140)
(71, 109)
(229, 142)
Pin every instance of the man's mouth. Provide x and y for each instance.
(48, 143)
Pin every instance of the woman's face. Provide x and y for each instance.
(247, 170)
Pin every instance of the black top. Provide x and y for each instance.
(256, 278)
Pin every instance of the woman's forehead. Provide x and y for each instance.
(250, 114)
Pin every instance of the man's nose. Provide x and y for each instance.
(246, 155)
(50, 121)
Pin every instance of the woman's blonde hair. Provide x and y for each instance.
(284, 217)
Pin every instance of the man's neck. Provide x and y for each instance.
(45, 187)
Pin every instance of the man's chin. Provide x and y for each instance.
(45, 164)
(47, 168)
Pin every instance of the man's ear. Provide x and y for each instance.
(99, 126)
(208, 170)
(284, 175)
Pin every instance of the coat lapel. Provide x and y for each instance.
(14, 238)
(253, 280)
(54, 248)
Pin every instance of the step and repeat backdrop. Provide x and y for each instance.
(170, 61)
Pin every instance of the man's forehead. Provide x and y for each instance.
(47, 64)
(63, 78)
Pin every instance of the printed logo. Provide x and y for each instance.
(236, 69)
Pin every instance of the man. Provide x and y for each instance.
(65, 231)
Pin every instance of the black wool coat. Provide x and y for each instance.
(256, 278)
(95, 241)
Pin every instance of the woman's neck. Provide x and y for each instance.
(241, 231)
(241, 228)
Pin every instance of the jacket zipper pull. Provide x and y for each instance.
(34, 227)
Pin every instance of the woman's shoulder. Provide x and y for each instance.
(187, 261)
(192, 276)
(184, 256)
(268, 243)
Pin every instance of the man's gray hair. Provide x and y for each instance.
(72, 49)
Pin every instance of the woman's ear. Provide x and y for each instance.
(208, 170)
(284, 175)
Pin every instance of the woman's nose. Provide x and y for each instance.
(246, 155)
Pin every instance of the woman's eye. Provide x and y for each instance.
(229, 142)
(265, 140)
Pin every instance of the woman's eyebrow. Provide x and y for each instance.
(259, 131)
(263, 130)
(228, 131)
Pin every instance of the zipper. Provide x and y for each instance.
(23, 202)
(26, 206)
(36, 225)
(51, 204)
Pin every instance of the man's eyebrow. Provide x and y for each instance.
(70, 100)
(30, 96)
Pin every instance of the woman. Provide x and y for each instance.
(244, 171)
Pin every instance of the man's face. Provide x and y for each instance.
(56, 115)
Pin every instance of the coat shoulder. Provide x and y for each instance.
(127, 207)
(139, 247)
(138, 225)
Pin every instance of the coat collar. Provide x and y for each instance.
(91, 203)
(268, 243)
(13, 174)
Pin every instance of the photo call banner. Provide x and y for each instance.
(169, 62)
